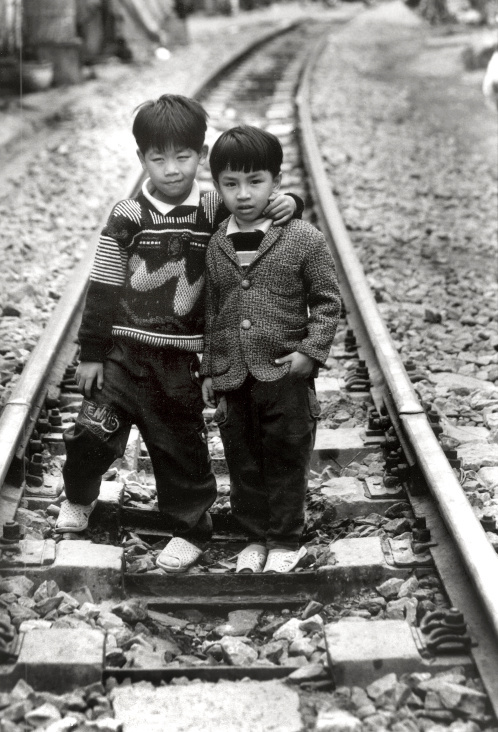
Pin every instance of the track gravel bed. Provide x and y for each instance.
(411, 153)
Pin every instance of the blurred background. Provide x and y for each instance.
(46, 43)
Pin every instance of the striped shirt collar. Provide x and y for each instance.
(193, 198)
(233, 227)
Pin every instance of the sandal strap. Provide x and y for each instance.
(74, 515)
(253, 557)
(180, 550)
(281, 561)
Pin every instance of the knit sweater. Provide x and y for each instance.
(147, 281)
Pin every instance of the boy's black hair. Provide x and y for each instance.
(248, 149)
(170, 121)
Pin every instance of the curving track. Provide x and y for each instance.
(400, 448)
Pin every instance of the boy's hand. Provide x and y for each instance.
(86, 374)
(301, 364)
(280, 209)
(208, 393)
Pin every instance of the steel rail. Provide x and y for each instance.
(478, 556)
(22, 408)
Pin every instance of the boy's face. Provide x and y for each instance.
(172, 171)
(246, 195)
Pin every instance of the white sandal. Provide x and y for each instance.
(281, 560)
(178, 555)
(73, 516)
(252, 558)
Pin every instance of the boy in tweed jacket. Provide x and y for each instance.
(272, 306)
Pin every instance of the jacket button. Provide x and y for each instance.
(246, 324)
(245, 284)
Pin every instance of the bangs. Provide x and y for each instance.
(246, 149)
(172, 121)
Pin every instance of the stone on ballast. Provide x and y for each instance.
(167, 620)
(337, 720)
(390, 588)
(246, 706)
(456, 696)
(273, 650)
(460, 383)
(131, 611)
(385, 685)
(397, 526)
(109, 621)
(19, 585)
(302, 647)
(489, 478)
(345, 497)
(373, 605)
(17, 711)
(312, 608)
(20, 614)
(476, 455)
(361, 703)
(240, 622)
(298, 661)
(465, 433)
(141, 657)
(43, 715)
(409, 587)
(46, 606)
(291, 630)
(460, 726)
(46, 589)
(313, 624)
(403, 609)
(236, 652)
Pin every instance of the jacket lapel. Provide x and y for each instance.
(226, 244)
(272, 235)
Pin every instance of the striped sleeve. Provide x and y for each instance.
(107, 277)
(109, 267)
(111, 258)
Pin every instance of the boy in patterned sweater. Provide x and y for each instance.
(272, 306)
(141, 331)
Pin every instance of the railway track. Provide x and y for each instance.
(386, 509)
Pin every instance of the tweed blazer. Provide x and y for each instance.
(286, 300)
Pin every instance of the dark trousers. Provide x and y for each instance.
(158, 391)
(268, 431)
